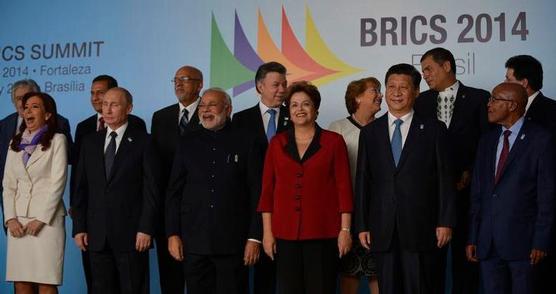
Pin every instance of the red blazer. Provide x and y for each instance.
(306, 196)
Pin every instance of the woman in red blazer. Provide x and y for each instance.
(306, 199)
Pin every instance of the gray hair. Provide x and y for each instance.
(221, 91)
(25, 83)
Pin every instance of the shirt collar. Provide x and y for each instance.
(120, 131)
(516, 127)
(404, 118)
(190, 108)
(530, 100)
(450, 91)
(265, 108)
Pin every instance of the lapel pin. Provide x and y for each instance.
(421, 126)
(236, 158)
(522, 136)
(129, 139)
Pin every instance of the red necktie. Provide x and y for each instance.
(101, 125)
(503, 156)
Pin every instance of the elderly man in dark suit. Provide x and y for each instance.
(95, 123)
(214, 188)
(116, 199)
(527, 71)
(9, 125)
(404, 194)
(463, 110)
(512, 195)
(266, 119)
(168, 125)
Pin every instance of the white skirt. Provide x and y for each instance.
(37, 259)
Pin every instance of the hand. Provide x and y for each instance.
(464, 181)
(33, 227)
(82, 241)
(269, 245)
(251, 253)
(443, 236)
(471, 253)
(142, 241)
(344, 242)
(365, 239)
(537, 255)
(15, 228)
(175, 247)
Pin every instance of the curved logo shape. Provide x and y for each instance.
(315, 63)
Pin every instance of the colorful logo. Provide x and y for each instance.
(315, 63)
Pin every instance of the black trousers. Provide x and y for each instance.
(264, 275)
(401, 271)
(87, 270)
(119, 272)
(170, 270)
(306, 267)
(215, 274)
(506, 276)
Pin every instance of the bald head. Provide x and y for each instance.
(188, 83)
(507, 104)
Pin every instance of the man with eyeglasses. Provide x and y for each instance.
(512, 195)
(527, 71)
(213, 192)
(168, 125)
(463, 110)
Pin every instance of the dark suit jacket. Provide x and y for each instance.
(543, 112)
(469, 122)
(306, 196)
(7, 131)
(517, 213)
(89, 126)
(113, 210)
(213, 191)
(412, 199)
(251, 120)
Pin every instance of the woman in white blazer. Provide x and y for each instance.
(34, 182)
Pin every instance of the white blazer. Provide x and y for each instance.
(36, 190)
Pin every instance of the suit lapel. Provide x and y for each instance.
(384, 138)
(492, 148)
(38, 153)
(520, 142)
(413, 135)
(125, 144)
(459, 106)
(283, 119)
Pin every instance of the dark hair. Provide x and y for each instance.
(527, 67)
(52, 122)
(266, 68)
(356, 88)
(441, 55)
(405, 69)
(112, 83)
(303, 86)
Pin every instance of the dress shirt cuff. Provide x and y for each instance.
(255, 240)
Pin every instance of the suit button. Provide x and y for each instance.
(494, 195)
(214, 162)
(213, 148)
(298, 209)
(212, 190)
(299, 175)
(298, 186)
(211, 206)
(212, 176)
(297, 197)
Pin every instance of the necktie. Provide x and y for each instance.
(183, 121)
(503, 156)
(271, 129)
(101, 125)
(110, 154)
(397, 141)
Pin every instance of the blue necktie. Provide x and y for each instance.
(271, 129)
(397, 141)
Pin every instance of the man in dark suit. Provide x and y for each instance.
(264, 120)
(211, 219)
(463, 110)
(168, 124)
(528, 72)
(405, 197)
(10, 124)
(116, 200)
(95, 123)
(512, 195)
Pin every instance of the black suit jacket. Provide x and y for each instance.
(89, 126)
(7, 131)
(114, 209)
(412, 199)
(517, 213)
(250, 119)
(469, 122)
(543, 112)
(214, 191)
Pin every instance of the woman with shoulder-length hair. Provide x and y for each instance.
(363, 99)
(34, 182)
(306, 199)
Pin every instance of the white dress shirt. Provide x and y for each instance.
(404, 127)
(530, 100)
(266, 116)
(190, 110)
(120, 131)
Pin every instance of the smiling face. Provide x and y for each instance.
(370, 99)
(34, 113)
(272, 89)
(214, 110)
(400, 94)
(302, 109)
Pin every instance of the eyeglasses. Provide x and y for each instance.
(494, 99)
(183, 79)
